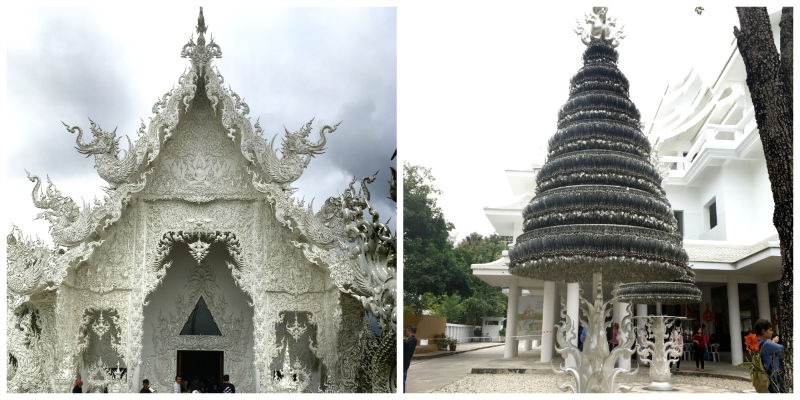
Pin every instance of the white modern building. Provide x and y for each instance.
(715, 176)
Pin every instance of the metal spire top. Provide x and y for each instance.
(601, 27)
(199, 52)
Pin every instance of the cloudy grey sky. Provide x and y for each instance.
(487, 87)
(112, 63)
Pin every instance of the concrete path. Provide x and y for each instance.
(431, 372)
(428, 374)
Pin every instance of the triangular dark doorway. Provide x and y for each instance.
(200, 321)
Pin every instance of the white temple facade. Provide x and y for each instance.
(199, 262)
(715, 176)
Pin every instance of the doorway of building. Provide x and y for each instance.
(201, 368)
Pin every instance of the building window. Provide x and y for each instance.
(679, 218)
(712, 214)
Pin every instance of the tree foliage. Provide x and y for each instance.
(769, 78)
(438, 275)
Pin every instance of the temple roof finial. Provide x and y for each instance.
(201, 23)
(199, 52)
(601, 27)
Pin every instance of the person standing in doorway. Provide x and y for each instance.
(227, 386)
(409, 345)
(146, 387)
(700, 341)
(176, 386)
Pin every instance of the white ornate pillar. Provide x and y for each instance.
(548, 311)
(735, 322)
(511, 320)
(762, 292)
(641, 322)
(641, 311)
(620, 312)
(573, 308)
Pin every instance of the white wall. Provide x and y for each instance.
(744, 202)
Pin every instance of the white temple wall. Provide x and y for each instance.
(683, 198)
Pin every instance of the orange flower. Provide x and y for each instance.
(752, 343)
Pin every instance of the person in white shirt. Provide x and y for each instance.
(176, 387)
(677, 338)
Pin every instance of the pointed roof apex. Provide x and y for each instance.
(201, 23)
(199, 52)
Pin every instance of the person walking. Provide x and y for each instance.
(771, 353)
(677, 338)
(409, 345)
(227, 386)
(78, 388)
(146, 387)
(700, 341)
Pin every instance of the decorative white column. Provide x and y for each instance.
(762, 292)
(620, 312)
(641, 311)
(511, 320)
(641, 324)
(735, 322)
(573, 308)
(548, 311)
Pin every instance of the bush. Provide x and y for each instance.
(441, 341)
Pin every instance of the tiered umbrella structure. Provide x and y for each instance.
(599, 213)
(662, 349)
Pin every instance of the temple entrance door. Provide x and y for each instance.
(206, 366)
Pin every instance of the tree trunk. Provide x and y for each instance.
(769, 78)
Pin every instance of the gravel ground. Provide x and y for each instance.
(548, 383)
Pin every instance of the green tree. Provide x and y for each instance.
(769, 78)
(428, 259)
(435, 273)
(484, 300)
(450, 306)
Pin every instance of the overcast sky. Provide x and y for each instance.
(486, 91)
(112, 63)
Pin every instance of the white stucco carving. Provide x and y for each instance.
(200, 206)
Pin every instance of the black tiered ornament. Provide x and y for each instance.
(599, 213)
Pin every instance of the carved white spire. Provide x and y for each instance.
(200, 53)
(601, 27)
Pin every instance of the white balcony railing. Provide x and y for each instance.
(713, 136)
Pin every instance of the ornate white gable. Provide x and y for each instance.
(201, 178)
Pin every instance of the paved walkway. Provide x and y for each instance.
(433, 371)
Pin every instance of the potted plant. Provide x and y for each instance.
(503, 334)
(441, 341)
(451, 342)
(477, 333)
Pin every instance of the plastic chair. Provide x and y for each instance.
(713, 352)
(688, 351)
